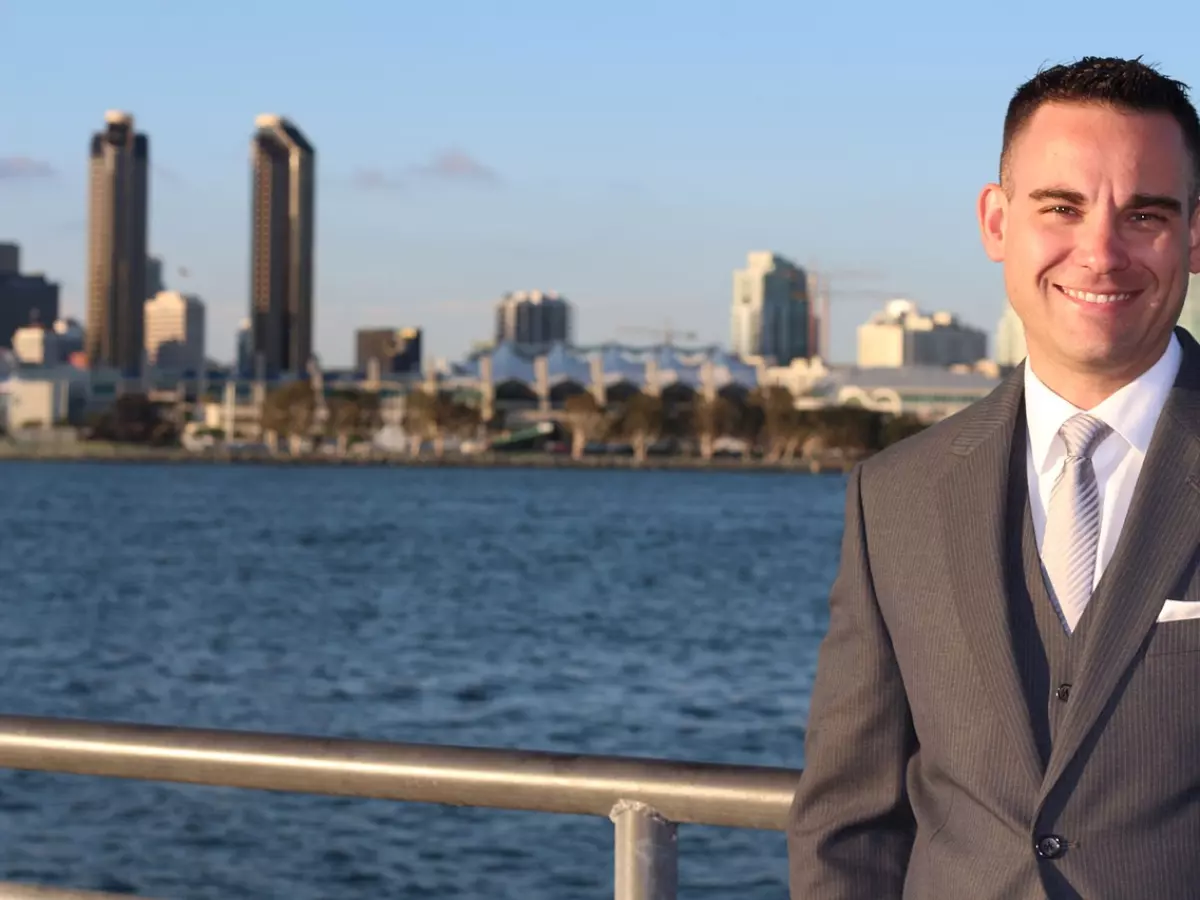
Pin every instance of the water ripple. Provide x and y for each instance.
(651, 614)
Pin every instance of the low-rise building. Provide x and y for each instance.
(36, 403)
(901, 335)
(928, 392)
(34, 345)
(390, 351)
(174, 330)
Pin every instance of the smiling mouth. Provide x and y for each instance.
(1097, 298)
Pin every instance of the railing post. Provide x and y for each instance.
(646, 858)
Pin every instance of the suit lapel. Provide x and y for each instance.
(1158, 542)
(973, 500)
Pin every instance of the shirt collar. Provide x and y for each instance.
(1132, 412)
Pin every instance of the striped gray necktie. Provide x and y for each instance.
(1073, 522)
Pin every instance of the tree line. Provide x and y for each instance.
(764, 420)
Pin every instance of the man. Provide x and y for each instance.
(1007, 703)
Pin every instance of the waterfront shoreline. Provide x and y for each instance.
(110, 453)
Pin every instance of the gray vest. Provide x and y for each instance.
(1047, 656)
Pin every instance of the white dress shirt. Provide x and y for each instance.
(1131, 413)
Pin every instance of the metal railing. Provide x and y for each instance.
(645, 798)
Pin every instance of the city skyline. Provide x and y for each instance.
(634, 179)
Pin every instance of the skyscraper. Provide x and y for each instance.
(118, 216)
(154, 277)
(533, 320)
(1189, 318)
(244, 349)
(1010, 337)
(282, 232)
(771, 315)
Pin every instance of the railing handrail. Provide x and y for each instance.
(11, 890)
(736, 796)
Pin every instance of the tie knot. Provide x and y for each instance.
(1082, 434)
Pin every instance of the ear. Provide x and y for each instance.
(993, 221)
(1194, 240)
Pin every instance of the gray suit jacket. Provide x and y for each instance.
(922, 777)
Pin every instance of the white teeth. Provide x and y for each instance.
(1089, 297)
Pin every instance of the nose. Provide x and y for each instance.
(1101, 246)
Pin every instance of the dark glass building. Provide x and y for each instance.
(118, 219)
(281, 254)
(24, 299)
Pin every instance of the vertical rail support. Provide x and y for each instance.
(646, 858)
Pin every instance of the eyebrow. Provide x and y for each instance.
(1137, 201)
(1158, 201)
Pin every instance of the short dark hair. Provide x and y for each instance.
(1124, 84)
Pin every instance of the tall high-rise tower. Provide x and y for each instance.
(771, 314)
(118, 216)
(282, 231)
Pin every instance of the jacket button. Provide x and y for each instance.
(1063, 692)
(1050, 846)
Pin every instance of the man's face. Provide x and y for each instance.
(1097, 231)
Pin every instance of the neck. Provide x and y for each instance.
(1086, 389)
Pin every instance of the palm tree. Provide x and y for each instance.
(781, 430)
(273, 422)
(855, 430)
(289, 411)
(343, 418)
(712, 419)
(585, 418)
(134, 418)
(430, 415)
(370, 415)
(459, 419)
(420, 418)
(640, 422)
(301, 405)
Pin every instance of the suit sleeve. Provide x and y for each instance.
(851, 829)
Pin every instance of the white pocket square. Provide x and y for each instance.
(1179, 610)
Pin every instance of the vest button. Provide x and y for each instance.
(1050, 846)
(1063, 692)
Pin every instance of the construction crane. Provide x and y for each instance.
(819, 292)
(666, 335)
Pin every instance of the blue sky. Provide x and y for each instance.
(627, 154)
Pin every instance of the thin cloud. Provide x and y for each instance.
(22, 168)
(449, 166)
(166, 174)
(376, 180)
(455, 165)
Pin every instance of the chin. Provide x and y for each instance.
(1104, 356)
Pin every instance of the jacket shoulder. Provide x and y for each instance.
(918, 452)
(927, 452)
